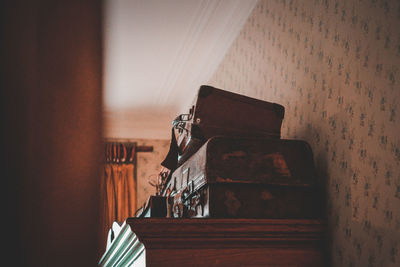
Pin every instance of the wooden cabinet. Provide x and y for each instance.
(217, 242)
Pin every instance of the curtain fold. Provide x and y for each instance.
(120, 192)
(118, 184)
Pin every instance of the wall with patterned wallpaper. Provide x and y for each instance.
(148, 167)
(334, 65)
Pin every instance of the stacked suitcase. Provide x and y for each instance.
(227, 161)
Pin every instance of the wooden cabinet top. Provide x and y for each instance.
(171, 239)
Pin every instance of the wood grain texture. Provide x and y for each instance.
(233, 242)
(234, 257)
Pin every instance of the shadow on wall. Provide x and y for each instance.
(334, 65)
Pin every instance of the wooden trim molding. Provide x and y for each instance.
(222, 242)
(214, 233)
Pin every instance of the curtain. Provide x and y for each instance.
(119, 183)
(120, 192)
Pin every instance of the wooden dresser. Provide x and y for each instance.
(217, 242)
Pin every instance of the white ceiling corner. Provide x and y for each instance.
(156, 55)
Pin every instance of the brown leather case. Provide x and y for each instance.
(246, 178)
(218, 112)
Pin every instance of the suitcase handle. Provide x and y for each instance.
(179, 122)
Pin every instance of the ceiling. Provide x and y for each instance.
(157, 53)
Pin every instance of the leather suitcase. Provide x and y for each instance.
(218, 112)
(231, 177)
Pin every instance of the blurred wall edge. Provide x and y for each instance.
(51, 95)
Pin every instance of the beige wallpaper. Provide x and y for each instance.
(334, 65)
(148, 166)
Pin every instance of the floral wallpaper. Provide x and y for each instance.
(334, 65)
(148, 167)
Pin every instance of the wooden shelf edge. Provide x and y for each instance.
(233, 233)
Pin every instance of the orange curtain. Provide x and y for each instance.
(120, 192)
(118, 184)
